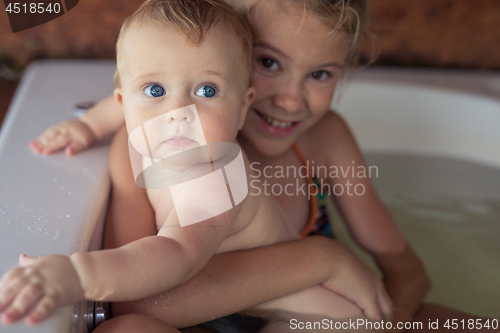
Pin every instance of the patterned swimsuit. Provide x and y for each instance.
(319, 223)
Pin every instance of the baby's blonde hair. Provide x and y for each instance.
(192, 19)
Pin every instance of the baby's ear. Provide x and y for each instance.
(248, 98)
(118, 95)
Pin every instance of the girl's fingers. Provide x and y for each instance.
(42, 310)
(23, 301)
(371, 311)
(386, 306)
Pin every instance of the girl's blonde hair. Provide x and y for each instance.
(351, 16)
(192, 19)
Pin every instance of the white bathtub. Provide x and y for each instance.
(56, 204)
(435, 138)
(52, 204)
(446, 113)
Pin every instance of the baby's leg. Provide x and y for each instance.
(133, 323)
(313, 304)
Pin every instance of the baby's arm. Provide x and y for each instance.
(74, 135)
(139, 269)
(159, 263)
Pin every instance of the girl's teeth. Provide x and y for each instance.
(277, 123)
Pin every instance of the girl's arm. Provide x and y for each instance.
(75, 135)
(371, 224)
(230, 282)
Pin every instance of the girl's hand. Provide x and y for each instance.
(359, 284)
(74, 135)
(38, 288)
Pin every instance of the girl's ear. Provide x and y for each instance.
(118, 95)
(248, 98)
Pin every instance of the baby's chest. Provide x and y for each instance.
(285, 179)
(162, 204)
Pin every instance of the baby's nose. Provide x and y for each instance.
(182, 114)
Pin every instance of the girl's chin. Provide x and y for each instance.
(264, 145)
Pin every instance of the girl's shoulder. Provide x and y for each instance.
(330, 136)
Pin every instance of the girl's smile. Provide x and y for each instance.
(273, 126)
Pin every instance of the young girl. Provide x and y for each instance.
(301, 49)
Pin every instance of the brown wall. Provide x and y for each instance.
(445, 33)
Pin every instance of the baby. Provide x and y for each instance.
(181, 56)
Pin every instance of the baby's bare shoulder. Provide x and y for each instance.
(260, 220)
(119, 162)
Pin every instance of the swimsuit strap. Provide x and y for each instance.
(314, 199)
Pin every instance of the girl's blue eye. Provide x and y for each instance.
(154, 90)
(205, 91)
(320, 75)
(269, 63)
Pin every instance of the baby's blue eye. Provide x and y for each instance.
(154, 90)
(206, 91)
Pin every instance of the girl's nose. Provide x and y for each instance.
(290, 96)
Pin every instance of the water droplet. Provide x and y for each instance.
(58, 234)
(68, 216)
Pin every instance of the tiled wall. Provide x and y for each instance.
(445, 33)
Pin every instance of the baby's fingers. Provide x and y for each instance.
(24, 260)
(57, 142)
(43, 309)
(25, 300)
(44, 139)
(75, 147)
(10, 286)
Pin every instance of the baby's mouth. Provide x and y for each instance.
(179, 142)
(275, 122)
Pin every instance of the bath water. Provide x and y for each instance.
(449, 211)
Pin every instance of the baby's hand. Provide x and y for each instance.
(73, 135)
(38, 288)
(359, 284)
